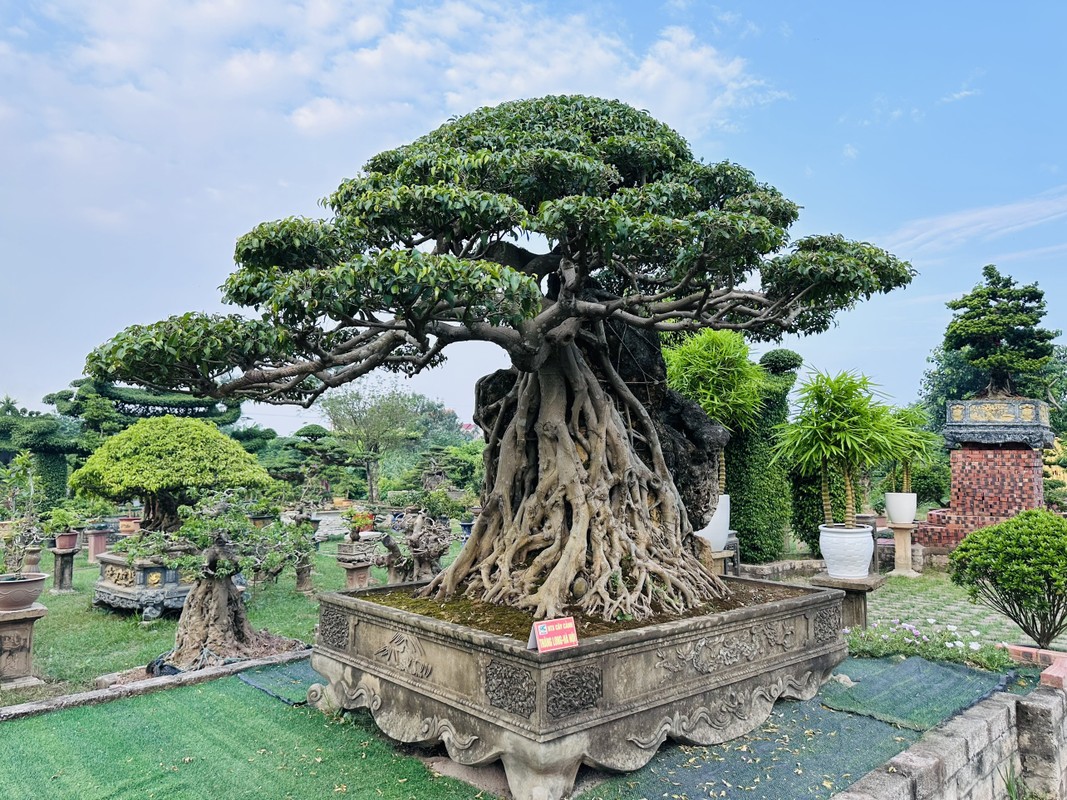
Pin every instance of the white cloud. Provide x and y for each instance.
(950, 231)
(849, 152)
(960, 95)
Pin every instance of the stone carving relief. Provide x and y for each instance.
(405, 653)
(333, 628)
(510, 688)
(435, 728)
(120, 576)
(572, 691)
(827, 625)
(712, 653)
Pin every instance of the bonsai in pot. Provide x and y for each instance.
(63, 524)
(916, 447)
(840, 427)
(19, 496)
(423, 249)
(168, 462)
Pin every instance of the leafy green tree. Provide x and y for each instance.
(996, 327)
(951, 377)
(419, 255)
(167, 462)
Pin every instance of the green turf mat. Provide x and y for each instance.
(913, 693)
(286, 682)
(222, 739)
(803, 750)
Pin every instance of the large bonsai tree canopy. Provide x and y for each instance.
(165, 462)
(538, 225)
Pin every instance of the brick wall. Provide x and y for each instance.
(990, 483)
(970, 756)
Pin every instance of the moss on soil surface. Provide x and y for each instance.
(516, 623)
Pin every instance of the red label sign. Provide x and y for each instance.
(553, 634)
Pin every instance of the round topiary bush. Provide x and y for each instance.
(1019, 568)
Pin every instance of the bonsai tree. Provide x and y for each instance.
(1019, 568)
(215, 542)
(169, 463)
(166, 462)
(579, 508)
(839, 427)
(19, 497)
(996, 328)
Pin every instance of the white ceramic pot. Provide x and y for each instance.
(847, 551)
(900, 507)
(718, 528)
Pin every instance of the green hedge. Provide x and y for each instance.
(760, 503)
(807, 507)
(52, 472)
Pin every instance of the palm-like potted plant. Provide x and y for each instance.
(916, 446)
(18, 499)
(840, 427)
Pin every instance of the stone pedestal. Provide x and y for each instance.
(854, 608)
(902, 550)
(63, 578)
(357, 574)
(97, 543)
(16, 647)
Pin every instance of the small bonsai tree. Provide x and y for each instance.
(167, 462)
(1019, 568)
(840, 427)
(19, 497)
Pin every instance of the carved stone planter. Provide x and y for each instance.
(146, 586)
(609, 703)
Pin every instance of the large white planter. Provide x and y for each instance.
(900, 507)
(718, 528)
(847, 551)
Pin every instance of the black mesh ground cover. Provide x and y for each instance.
(287, 682)
(913, 693)
(803, 750)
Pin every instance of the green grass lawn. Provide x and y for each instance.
(75, 643)
(225, 737)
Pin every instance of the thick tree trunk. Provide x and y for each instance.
(574, 516)
(213, 626)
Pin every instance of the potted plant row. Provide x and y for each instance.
(841, 427)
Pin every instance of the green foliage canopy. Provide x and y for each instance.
(1019, 568)
(713, 368)
(418, 255)
(166, 461)
(996, 327)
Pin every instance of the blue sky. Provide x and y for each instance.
(140, 138)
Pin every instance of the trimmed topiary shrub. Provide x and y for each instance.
(1019, 568)
(760, 495)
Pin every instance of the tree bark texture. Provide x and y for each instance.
(580, 509)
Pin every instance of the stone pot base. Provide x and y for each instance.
(608, 703)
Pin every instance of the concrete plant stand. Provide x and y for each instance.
(146, 585)
(608, 703)
(902, 550)
(854, 607)
(63, 581)
(16, 647)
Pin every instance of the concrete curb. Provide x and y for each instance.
(147, 686)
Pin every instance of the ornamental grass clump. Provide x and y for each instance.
(1019, 568)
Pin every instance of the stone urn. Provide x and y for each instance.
(17, 593)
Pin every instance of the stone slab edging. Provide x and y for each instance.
(146, 686)
(971, 754)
